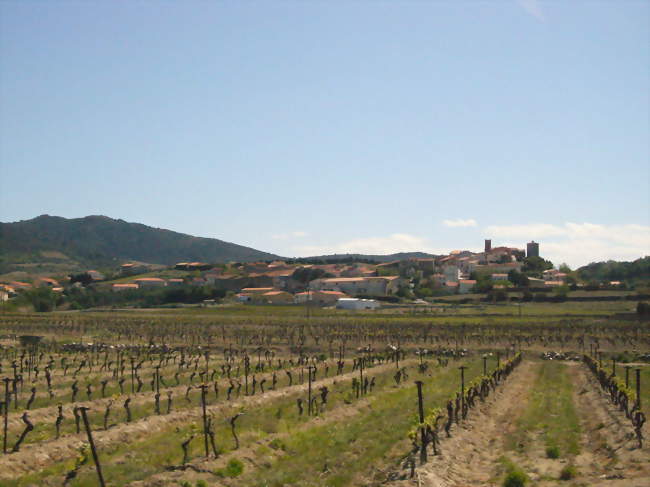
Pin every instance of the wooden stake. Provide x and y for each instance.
(92, 445)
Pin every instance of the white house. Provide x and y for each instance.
(452, 273)
(354, 303)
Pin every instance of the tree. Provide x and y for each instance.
(43, 299)
(308, 274)
(535, 266)
(517, 278)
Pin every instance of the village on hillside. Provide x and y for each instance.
(344, 283)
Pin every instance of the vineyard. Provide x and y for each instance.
(275, 396)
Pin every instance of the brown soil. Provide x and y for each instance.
(609, 456)
(35, 457)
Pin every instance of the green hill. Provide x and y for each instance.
(635, 271)
(100, 241)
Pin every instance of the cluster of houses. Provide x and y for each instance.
(12, 288)
(279, 282)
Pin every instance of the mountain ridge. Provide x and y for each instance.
(98, 240)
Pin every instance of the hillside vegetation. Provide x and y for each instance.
(97, 241)
(638, 270)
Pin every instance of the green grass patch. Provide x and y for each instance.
(551, 413)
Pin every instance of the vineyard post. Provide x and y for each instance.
(484, 364)
(600, 359)
(309, 391)
(205, 420)
(132, 374)
(591, 349)
(462, 386)
(638, 386)
(92, 446)
(361, 375)
(627, 376)
(6, 380)
(613, 366)
(498, 360)
(246, 370)
(423, 450)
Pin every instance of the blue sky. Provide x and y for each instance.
(313, 127)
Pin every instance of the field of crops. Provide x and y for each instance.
(275, 396)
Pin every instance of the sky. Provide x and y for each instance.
(313, 127)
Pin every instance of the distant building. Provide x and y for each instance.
(320, 298)
(125, 287)
(452, 273)
(20, 286)
(95, 275)
(258, 290)
(532, 249)
(133, 268)
(277, 297)
(371, 286)
(46, 282)
(534, 283)
(150, 282)
(553, 275)
(466, 285)
(353, 303)
(488, 245)
(499, 277)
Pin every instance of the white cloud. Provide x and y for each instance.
(285, 236)
(397, 242)
(459, 222)
(579, 243)
(534, 8)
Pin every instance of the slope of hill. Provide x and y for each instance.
(96, 241)
(365, 257)
(638, 270)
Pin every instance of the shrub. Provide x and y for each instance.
(234, 468)
(277, 444)
(553, 452)
(568, 472)
(516, 478)
(201, 483)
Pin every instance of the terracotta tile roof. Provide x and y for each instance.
(20, 284)
(48, 279)
(126, 286)
(358, 279)
(467, 281)
(150, 279)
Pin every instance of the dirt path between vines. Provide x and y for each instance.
(34, 457)
(609, 450)
(468, 458)
(609, 454)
